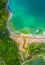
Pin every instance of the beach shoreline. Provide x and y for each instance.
(38, 36)
(27, 35)
(31, 35)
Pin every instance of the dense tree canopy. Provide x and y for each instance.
(8, 48)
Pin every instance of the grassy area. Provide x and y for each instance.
(8, 48)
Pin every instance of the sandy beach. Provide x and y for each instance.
(23, 40)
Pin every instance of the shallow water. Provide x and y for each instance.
(28, 16)
(38, 61)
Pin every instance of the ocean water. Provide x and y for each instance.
(28, 16)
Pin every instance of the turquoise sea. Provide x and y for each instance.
(28, 16)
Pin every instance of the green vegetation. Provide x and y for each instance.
(9, 52)
(8, 48)
(36, 49)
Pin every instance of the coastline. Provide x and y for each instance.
(27, 35)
